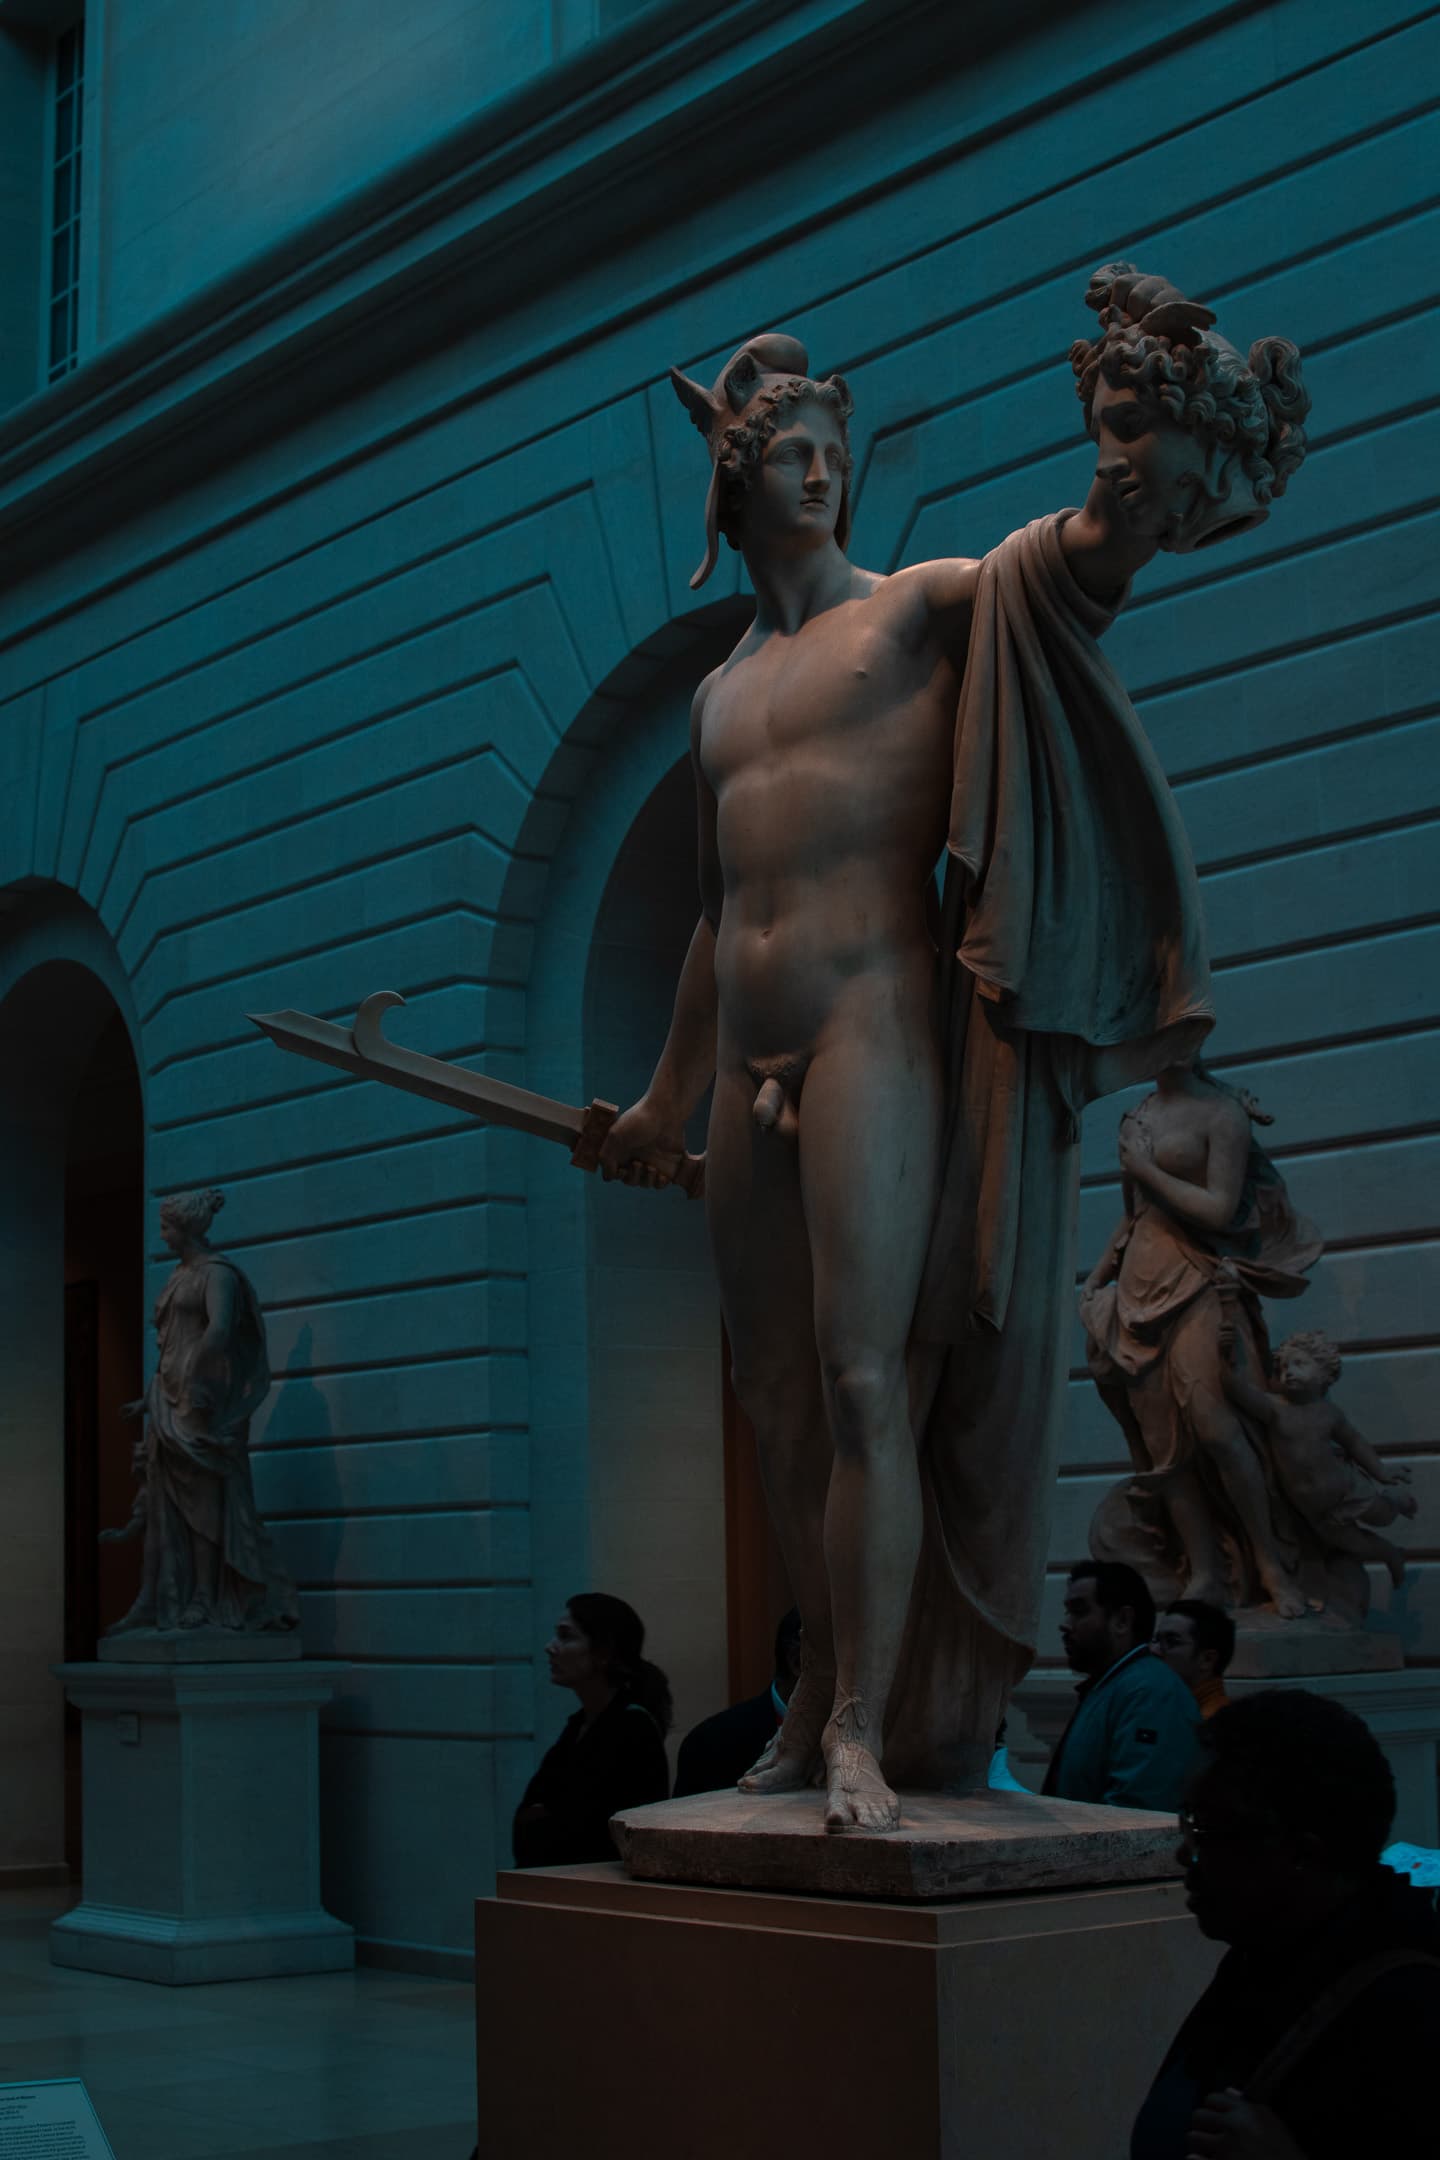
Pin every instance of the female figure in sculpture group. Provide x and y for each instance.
(891, 1151)
(208, 1561)
(1207, 1227)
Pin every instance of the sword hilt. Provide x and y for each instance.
(686, 1171)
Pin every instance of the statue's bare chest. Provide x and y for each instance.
(1181, 1139)
(843, 691)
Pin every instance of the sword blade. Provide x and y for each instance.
(363, 1050)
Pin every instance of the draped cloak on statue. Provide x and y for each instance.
(208, 1382)
(1072, 962)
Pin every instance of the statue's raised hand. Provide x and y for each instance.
(1137, 1145)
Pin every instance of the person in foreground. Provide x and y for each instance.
(1197, 1641)
(1316, 2038)
(611, 1754)
(720, 1749)
(1131, 1739)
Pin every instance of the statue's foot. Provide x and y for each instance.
(1287, 1597)
(792, 1760)
(856, 1794)
(194, 1615)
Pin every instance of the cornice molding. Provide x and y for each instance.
(567, 171)
(626, 138)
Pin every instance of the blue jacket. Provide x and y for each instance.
(1132, 1739)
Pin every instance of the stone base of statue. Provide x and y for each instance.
(944, 1848)
(719, 2022)
(1272, 1651)
(198, 1646)
(1401, 1707)
(201, 1822)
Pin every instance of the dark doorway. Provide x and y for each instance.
(104, 1338)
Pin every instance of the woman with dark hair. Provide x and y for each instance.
(1316, 2038)
(611, 1754)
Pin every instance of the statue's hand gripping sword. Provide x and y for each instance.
(364, 1050)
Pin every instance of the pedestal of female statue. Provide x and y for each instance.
(201, 1820)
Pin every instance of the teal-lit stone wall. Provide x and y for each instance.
(347, 637)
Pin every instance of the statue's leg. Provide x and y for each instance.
(869, 1149)
(1234, 1461)
(762, 1261)
(1194, 1521)
(1365, 1545)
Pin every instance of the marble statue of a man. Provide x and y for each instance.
(891, 1166)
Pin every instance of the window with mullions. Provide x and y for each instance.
(63, 346)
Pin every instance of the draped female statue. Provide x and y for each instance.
(208, 1562)
(1171, 1309)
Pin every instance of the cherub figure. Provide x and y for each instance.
(1328, 1471)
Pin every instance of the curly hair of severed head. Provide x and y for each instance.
(1246, 414)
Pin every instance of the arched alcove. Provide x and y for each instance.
(71, 1254)
(656, 1420)
(627, 1410)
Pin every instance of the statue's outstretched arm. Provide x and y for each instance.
(1257, 1402)
(1358, 1448)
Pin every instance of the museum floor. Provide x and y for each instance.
(366, 2065)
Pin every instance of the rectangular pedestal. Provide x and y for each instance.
(201, 1823)
(722, 2022)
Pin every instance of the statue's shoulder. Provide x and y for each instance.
(1227, 1115)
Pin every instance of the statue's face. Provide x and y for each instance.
(1299, 1374)
(172, 1233)
(1150, 464)
(795, 493)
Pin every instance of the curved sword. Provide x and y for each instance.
(363, 1049)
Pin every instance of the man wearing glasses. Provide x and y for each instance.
(1316, 2039)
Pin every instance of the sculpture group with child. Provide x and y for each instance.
(1249, 1489)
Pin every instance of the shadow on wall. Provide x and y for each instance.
(298, 1486)
(656, 1440)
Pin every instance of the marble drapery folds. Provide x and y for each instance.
(1072, 962)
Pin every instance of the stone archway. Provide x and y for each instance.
(627, 1423)
(70, 1120)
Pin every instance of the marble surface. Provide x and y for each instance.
(944, 1848)
(363, 2065)
(1268, 1648)
(198, 1646)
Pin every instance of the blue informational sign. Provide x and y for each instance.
(42, 2112)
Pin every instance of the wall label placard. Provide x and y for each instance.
(51, 2119)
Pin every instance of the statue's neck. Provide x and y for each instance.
(790, 590)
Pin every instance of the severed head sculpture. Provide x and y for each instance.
(1244, 417)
